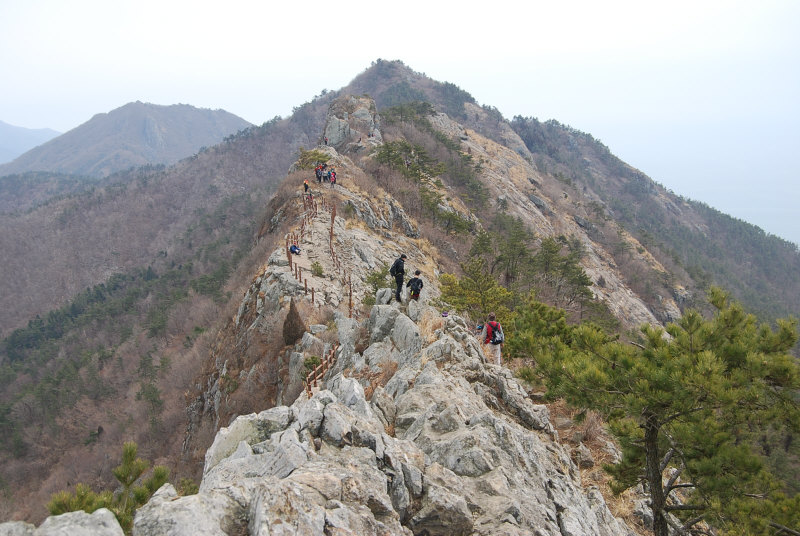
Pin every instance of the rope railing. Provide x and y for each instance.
(319, 371)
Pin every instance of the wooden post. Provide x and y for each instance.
(312, 295)
(318, 372)
(306, 285)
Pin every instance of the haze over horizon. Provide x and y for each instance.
(699, 96)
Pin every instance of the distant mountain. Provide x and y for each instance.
(14, 141)
(134, 135)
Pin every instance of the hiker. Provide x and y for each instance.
(305, 186)
(294, 250)
(492, 335)
(318, 173)
(333, 179)
(326, 140)
(397, 271)
(415, 285)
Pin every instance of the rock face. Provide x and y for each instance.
(99, 523)
(352, 124)
(446, 445)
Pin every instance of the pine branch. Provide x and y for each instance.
(674, 416)
(683, 507)
(783, 529)
(667, 458)
(694, 521)
(678, 529)
(669, 489)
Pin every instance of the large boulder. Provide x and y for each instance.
(99, 523)
(203, 514)
(252, 428)
(16, 528)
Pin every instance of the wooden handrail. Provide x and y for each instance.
(319, 371)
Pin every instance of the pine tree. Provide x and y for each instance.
(477, 293)
(678, 405)
(126, 500)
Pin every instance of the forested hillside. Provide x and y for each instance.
(761, 270)
(79, 232)
(118, 293)
(115, 322)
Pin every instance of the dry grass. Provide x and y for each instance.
(592, 432)
(428, 325)
(362, 340)
(377, 379)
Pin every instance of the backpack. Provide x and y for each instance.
(393, 269)
(415, 285)
(497, 333)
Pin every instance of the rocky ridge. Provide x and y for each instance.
(414, 433)
(446, 444)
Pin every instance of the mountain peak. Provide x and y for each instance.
(132, 135)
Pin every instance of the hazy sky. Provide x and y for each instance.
(702, 96)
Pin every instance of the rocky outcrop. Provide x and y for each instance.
(352, 124)
(414, 433)
(99, 523)
(446, 444)
(443, 444)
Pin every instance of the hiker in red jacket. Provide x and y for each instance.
(493, 338)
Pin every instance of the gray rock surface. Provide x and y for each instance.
(413, 434)
(16, 528)
(447, 445)
(99, 523)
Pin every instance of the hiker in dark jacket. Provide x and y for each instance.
(398, 270)
(415, 285)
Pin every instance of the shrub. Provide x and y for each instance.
(316, 269)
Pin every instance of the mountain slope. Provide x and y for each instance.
(417, 434)
(16, 140)
(133, 135)
(194, 341)
(761, 270)
(88, 230)
(623, 209)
